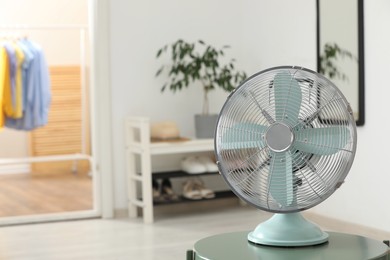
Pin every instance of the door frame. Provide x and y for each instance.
(100, 79)
(101, 137)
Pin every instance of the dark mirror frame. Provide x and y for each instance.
(361, 107)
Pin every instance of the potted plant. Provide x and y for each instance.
(192, 62)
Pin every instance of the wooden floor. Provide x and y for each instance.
(29, 194)
(124, 239)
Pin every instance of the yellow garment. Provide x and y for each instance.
(5, 81)
(7, 96)
(13, 106)
(18, 106)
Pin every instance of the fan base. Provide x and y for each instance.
(288, 230)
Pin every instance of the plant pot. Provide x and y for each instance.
(205, 126)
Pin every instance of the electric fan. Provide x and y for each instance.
(284, 142)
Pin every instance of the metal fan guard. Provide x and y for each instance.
(314, 177)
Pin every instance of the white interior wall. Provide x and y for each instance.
(48, 12)
(261, 34)
(61, 47)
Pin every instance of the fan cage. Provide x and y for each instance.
(247, 169)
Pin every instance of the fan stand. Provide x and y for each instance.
(288, 230)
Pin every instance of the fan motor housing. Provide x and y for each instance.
(279, 137)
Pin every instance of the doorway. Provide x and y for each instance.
(49, 173)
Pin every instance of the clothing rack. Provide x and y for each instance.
(66, 157)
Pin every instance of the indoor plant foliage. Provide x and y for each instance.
(199, 62)
(328, 60)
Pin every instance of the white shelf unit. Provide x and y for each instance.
(137, 132)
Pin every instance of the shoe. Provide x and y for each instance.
(156, 191)
(195, 190)
(190, 191)
(167, 191)
(192, 165)
(209, 164)
(205, 192)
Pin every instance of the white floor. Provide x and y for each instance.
(167, 239)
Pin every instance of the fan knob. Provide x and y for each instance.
(279, 137)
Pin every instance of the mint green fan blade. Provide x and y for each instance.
(288, 98)
(281, 178)
(243, 136)
(322, 141)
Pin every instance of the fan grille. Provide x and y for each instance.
(316, 161)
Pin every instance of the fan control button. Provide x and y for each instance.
(279, 137)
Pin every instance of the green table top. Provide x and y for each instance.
(340, 246)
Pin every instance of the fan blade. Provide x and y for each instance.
(322, 141)
(244, 135)
(281, 174)
(288, 98)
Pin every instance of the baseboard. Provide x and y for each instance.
(337, 225)
(15, 169)
(121, 213)
(184, 208)
(200, 207)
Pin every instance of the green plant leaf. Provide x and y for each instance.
(159, 53)
(159, 71)
(198, 62)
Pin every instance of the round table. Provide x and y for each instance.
(340, 246)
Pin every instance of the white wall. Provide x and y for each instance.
(61, 47)
(261, 34)
(363, 198)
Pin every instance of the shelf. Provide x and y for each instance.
(196, 145)
(218, 195)
(176, 174)
(140, 150)
(160, 148)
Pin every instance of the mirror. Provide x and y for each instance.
(340, 52)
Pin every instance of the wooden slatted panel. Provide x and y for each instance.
(62, 134)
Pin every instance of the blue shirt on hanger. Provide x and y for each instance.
(37, 86)
(26, 122)
(44, 83)
(12, 65)
(26, 72)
